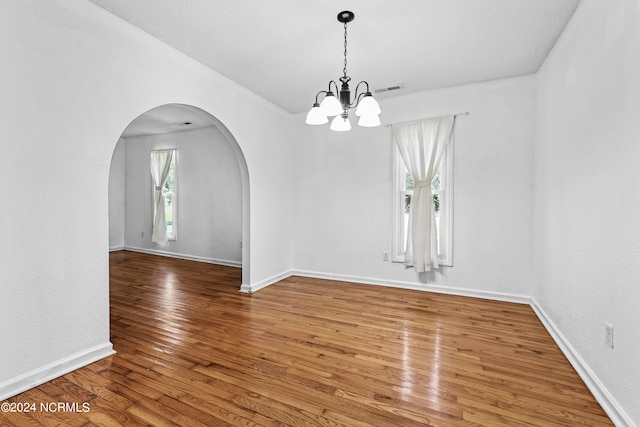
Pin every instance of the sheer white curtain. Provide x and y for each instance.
(160, 164)
(422, 144)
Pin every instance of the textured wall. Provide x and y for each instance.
(343, 192)
(78, 76)
(587, 204)
(209, 209)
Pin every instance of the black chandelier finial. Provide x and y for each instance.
(366, 107)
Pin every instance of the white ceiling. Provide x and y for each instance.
(288, 50)
(165, 119)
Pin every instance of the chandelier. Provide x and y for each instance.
(367, 108)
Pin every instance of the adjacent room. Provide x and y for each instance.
(193, 236)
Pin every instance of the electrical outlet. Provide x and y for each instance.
(385, 256)
(608, 335)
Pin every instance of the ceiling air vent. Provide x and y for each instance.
(387, 89)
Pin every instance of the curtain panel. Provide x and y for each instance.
(421, 145)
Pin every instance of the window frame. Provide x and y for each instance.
(173, 236)
(445, 255)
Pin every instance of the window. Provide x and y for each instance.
(442, 189)
(170, 199)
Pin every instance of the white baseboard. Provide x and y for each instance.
(609, 404)
(116, 248)
(250, 288)
(519, 299)
(228, 263)
(56, 369)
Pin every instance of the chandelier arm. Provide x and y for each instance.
(335, 85)
(358, 96)
(326, 92)
(318, 94)
(365, 82)
(357, 100)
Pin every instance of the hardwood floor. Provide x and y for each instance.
(193, 351)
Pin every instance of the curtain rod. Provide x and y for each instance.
(465, 113)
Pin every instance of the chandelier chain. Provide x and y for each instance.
(344, 70)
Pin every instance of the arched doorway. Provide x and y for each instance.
(154, 128)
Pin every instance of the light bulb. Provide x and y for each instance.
(315, 116)
(341, 123)
(330, 106)
(369, 121)
(368, 106)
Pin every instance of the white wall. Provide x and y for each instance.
(116, 197)
(74, 76)
(209, 196)
(343, 190)
(587, 197)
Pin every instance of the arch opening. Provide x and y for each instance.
(158, 128)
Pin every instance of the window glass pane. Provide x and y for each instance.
(435, 182)
(437, 202)
(407, 203)
(438, 235)
(408, 181)
(168, 191)
(169, 184)
(168, 203)
(405, 224)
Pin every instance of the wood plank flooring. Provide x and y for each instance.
(193, 351)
